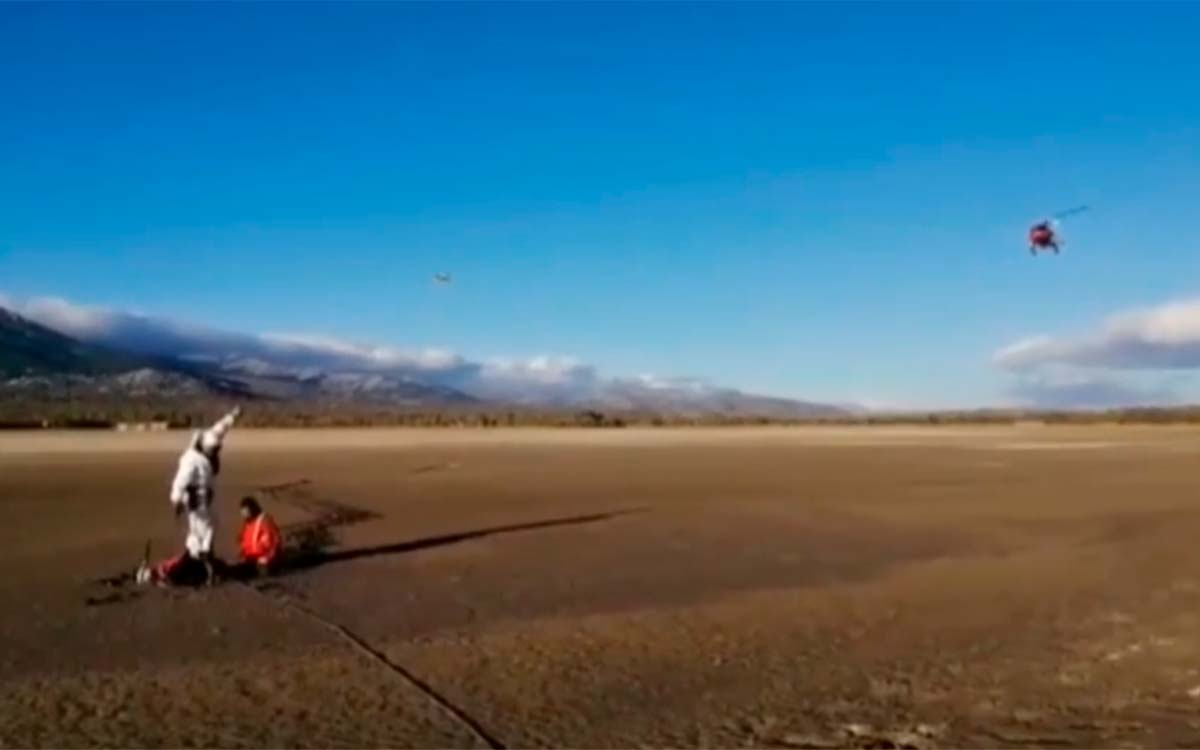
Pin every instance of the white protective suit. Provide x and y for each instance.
(194, 487)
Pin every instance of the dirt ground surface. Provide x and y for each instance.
(805, 587)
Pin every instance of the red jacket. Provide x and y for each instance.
(260, 540)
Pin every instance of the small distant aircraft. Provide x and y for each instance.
(1046, 235)
(442, 278)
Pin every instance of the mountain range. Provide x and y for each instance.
(37, 361)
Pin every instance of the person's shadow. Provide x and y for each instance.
(311, 549)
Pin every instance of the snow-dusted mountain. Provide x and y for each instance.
(144, 355)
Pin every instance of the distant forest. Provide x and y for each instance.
(24, 413)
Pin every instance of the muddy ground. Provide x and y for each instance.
(790, 588)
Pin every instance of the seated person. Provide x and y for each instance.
(261, 541)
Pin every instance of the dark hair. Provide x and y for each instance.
(251, 505)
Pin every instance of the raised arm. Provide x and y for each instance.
(215, 435)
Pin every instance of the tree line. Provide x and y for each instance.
(73, 413)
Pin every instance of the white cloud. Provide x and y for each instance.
(64, 316)
(659, 383)
(542, 369)
(1166, 337)
(1128, 359)
(368, 355)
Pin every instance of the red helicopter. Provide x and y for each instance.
(1045, 234)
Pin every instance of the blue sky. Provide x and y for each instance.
(819, 201)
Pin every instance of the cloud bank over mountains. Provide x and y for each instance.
(537, 381)
(278, 354)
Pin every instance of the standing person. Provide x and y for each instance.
(260, 539)
(194, 490)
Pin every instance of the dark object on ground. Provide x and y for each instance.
(185, 570)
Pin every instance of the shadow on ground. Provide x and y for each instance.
(309, 543)
(316, 554)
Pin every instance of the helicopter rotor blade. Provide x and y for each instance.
(1070, 212)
